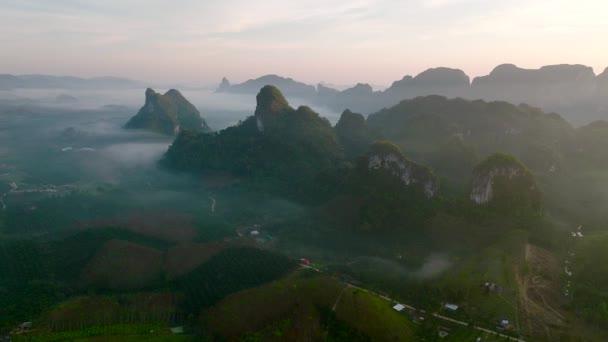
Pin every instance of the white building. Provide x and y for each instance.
(452, 307)
(399, 307)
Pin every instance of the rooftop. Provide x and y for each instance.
(452, 307)
(399, 307)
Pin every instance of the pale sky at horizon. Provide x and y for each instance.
(336, 41)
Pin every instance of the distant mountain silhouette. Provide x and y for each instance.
(571, 90)
(8, 82)
(288, 86)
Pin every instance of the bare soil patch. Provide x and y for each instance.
(185, 257)
(123, 265)
(539, 296)
(168, 226)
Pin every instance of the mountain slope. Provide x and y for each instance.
(420, 125)
(278, 142)
(505, 183)
(167, 114)
(571, 90)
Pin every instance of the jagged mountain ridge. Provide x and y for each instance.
(8, 82)
(277, 142)
(386, 156)
(571, 90)
(168, 114)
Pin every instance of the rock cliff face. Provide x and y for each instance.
(225, 84)
(482, 190)
(270, 104)
(386, 156)
(167, 114)
(502, 177)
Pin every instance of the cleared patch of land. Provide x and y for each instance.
(169, 226)
(185, 257)
(123, 265)
(539, 295)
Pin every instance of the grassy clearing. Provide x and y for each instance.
(299, 307)
(373, 316)
(286, 308)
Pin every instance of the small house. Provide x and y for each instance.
(255, 232)
(398, 307)
(451, 307)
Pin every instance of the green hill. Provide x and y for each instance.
(504, 183)
(167, 114)
(353, 134)
(384, 191)
(305, 307)
(282, 147)
(421, 125)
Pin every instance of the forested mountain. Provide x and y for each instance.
(420, 126)
(167, 114)
(504, 183)
(353, 133)
(279, 142)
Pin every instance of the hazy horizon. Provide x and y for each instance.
(337, 41)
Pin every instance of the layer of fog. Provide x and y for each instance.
(220, 110)
(433, 266)
(79, 134)
(111, 162)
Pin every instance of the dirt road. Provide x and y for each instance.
(436, 315)
(212, 204)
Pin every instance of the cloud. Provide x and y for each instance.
(433, 266)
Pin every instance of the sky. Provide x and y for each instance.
(334, 41)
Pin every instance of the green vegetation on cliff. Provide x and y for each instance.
(167, 114)
(506, 185)
(385, 191)
(353, 134)
(306, 306)
(285, 146)
(230, 271)
(420, 125)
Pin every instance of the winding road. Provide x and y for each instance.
(436, 315)
(212, 204)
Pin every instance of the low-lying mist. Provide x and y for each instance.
(220, 110)
(433, 266)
